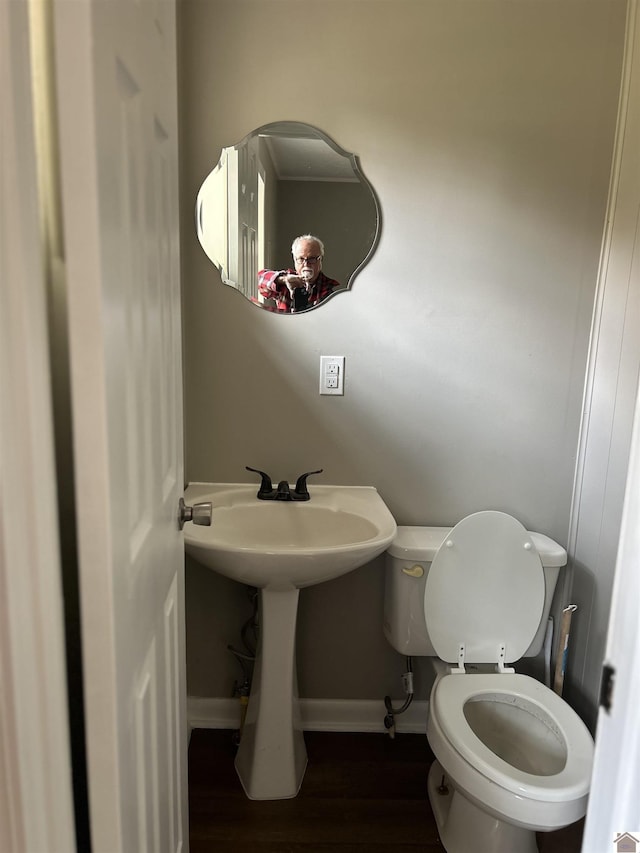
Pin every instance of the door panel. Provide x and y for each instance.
(118, 119)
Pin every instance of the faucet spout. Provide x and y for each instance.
(284, 491)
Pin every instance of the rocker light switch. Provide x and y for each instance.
(332, 374)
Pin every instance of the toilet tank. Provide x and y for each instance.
(408, 560)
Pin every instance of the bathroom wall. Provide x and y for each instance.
(486, 128)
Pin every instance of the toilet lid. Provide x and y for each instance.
(484, 590)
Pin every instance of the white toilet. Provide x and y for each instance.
(512, 758)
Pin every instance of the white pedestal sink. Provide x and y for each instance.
(279, 547)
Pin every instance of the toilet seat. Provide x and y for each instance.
(448, 699)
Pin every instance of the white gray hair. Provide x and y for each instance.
(307, 237)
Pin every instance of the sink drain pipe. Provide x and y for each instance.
(392, 713)
(246, 660)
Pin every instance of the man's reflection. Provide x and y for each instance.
(292, 290)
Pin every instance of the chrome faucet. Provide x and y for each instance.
(283, 492)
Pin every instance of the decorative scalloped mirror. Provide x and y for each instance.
(282, 181)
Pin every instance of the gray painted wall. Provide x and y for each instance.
(486, 129)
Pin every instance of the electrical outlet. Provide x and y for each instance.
(332, 374)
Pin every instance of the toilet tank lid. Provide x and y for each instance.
(421, 544)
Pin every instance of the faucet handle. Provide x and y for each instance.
(301, 493)
(266, 489)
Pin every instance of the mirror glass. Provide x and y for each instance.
(282, 181)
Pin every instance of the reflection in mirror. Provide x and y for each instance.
(286, 180)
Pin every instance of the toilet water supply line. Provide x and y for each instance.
(407, 683)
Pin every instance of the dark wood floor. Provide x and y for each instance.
(362, 793)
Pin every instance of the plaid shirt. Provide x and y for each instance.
(267, 287)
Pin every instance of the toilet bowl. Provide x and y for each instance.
(512, 758)
(514, 749)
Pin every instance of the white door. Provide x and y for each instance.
(116, 89)
(614, 806)
(247, 192)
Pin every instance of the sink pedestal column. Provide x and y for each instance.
(272, 756)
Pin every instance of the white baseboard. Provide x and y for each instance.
(321, 715)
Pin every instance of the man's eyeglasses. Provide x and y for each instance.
(312, 260)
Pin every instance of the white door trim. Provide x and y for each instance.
(36, 804)
(613, 800)
(613, 803)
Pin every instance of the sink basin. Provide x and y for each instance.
(288, 543)
(280, 547)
